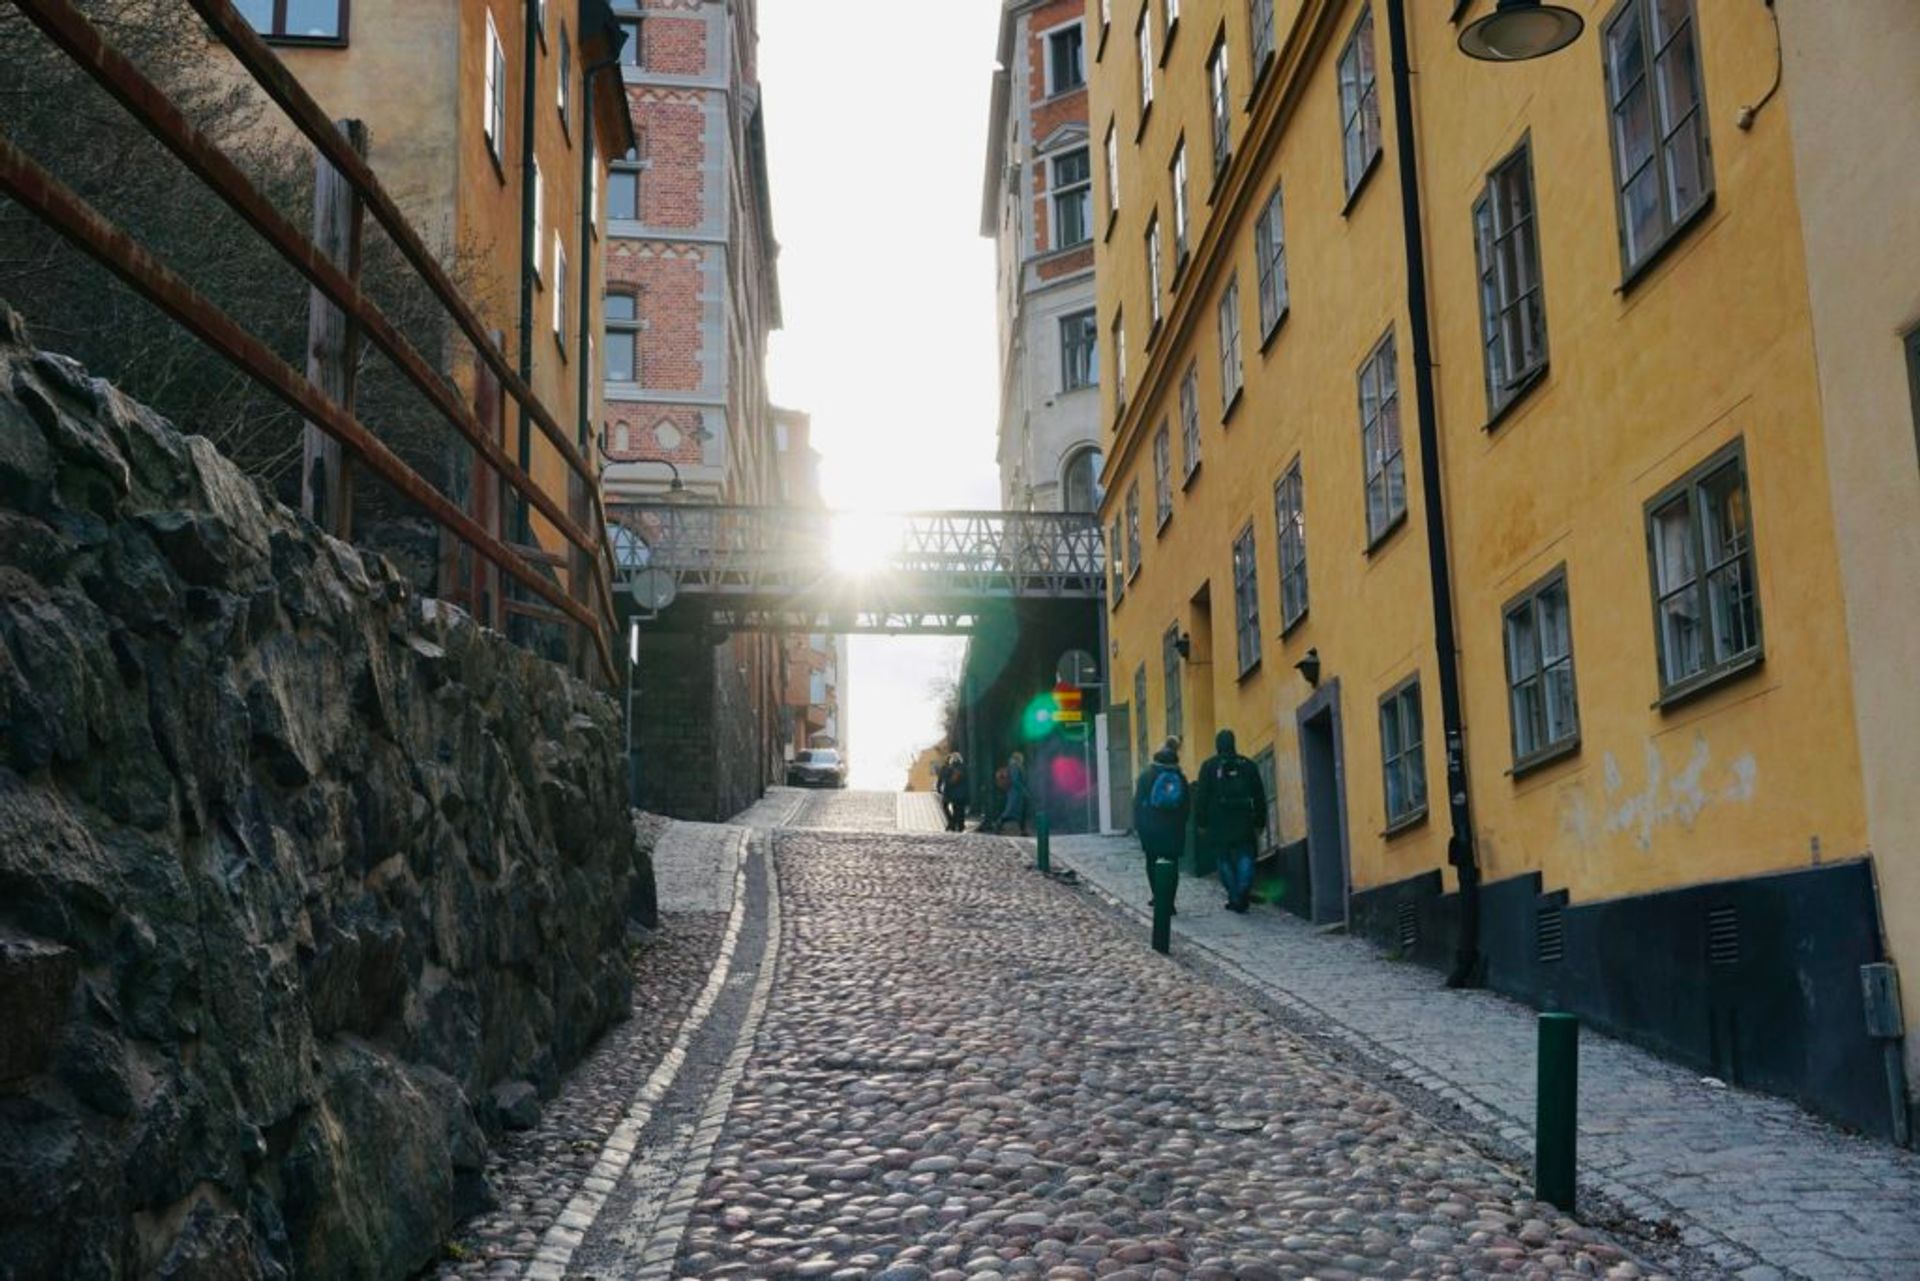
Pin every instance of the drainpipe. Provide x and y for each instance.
(588, 215)
(1467, 962)
(530, 61)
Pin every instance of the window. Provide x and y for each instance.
(493, 120)
(1171, 13)
(565, 92)
(297, 20)
(1082, 481)
(1260, 14)
(623, 188)
(539, 214)
(1222, 109)
(1662, 166)
(1113, 172)
(1230, 345)
(1119, 364)
(1079, 351)
(1072, 199)
(1179, 170)
(1145, 37)
(1540, 698)
(1246, 601)
(1402, 764)
(1189, 421)
(1066, 59)
(1263, 765)
(1913, 376)
(1162, 476)
(1706, 603)
(1153, 269)
(1359, 102)
(1380, 441)
(620, 343)
(559, 289)
(1140, 735)
(1117, 563)
(1270, 248)
(1290, 520)
(1513, 314)
(1133, 529)
(540, 19)
(1170, 672)
(631, 54)
(1106, 18)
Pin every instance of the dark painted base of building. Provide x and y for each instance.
(707, 738)
(1755, 981)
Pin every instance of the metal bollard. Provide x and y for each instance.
(1043, 842)
(1164, 875)
(1555, 1130)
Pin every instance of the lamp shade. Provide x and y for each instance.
(1520, 29)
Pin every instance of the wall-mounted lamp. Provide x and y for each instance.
(1309, 667)
(1521, 29)
(1183, 645)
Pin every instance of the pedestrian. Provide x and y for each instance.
(1161, 803)
(997, 803)
(952, 786)
(1230, 812)
(1016, 806)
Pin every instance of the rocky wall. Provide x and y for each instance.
(306, 882)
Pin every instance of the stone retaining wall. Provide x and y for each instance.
(304, 880)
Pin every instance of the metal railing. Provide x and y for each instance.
(586, 600)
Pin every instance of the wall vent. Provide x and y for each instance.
(1723, 936)
(1550, 936)
(1409, 925)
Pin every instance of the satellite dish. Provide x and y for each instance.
(653, 589)
(1076, 667)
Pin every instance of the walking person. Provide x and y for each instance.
(1230, 812)
(1017, 799)
(1161, 803)
(952, 787)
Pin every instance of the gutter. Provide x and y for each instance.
(530, 64)
(1468, 965)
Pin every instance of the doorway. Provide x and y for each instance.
(1323, 779)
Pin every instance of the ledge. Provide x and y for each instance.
(1706, 682)
(1364, 181)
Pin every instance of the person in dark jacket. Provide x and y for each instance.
(1016, 810)
(952, 786)
(1230, 812)
(1161, 803)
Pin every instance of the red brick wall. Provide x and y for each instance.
(1066, 264)
(676, 46)
(671, 124)
(668, 280)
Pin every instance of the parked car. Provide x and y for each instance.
(817, 767)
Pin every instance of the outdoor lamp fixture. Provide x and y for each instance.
(1309, 667)
(674, 486)
(1183, 643)
(1517, 30)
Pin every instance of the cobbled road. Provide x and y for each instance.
(934, 1064)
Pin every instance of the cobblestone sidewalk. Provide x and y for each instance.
(1754, 1182)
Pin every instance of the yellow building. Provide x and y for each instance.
(1515, 450)
(443, 87)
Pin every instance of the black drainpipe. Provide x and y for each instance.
(530, 61)
(1467, 963)
(588, 214)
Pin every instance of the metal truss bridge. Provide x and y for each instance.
(734, 569)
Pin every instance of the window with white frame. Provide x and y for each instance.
(1113, 172)
(1072, 198)
(559, 289)
(1662, 167)
(1270, 247)
(493, 118)
(1079, 351)
(1153, 269)
(1359, 102)
(1144, 37)
(1119, 364)
(539, 215)
(1513, 315)
(1403, 764)
(1162, 476)
(1116, 563)
(1260, 16)
(1133, 529)
(564, 91)
(1170, 673)
(1246, 600)
(1220, 106)
(1706, 596)
(1170, 11)
(1290, 522)
(620, 337)
(1540, 695)
(1230, 372)
(1066, 59)
(1189, 421)
(1179, 171)
(1386, 465)
(1080, 482)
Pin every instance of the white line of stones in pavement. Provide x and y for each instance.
(570, 1229)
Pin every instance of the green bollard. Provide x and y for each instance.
(1043, 842)
(1555, 1130)
(1164, 875)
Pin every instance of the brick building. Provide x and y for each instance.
(691, 297)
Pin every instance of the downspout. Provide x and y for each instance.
(1467, 962)
(530, 60)
(589, 216)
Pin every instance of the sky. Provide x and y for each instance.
(886, 289)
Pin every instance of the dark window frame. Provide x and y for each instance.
(1912, 344)
(1232, 353)
(1290, 543)
(1220, 106)
(1079, 189)
(564, 89)
(1162, 476)
(1384, 356)
(1141, 733)
(1504, 300)
(1091, 456)
(1246, 600)
(1265, 765)
(623, 328)
(1365, 111)
(1674, 220)
(1172, 699)
(1180, 179)
(1411, 748)
(1117, 565)
(1549, 748)
(1714, 669)
(1189, 422)
(1153, 274)
(1075, 28)
(1263, 46)
(277, 24)
(1082, 374)
(1270, 254)
(1133, 529)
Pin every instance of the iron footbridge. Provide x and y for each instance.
(787, 569)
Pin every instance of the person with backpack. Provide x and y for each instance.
(1230, 812)
(1161, 803)
(1016, 786)
(952, 787)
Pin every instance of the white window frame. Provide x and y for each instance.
(1382, 464)
(1246, 599)
(1057, 192)
(1290, 531)
(1190, 422)
(1260, 18)
(539, 217)
(1162, 476)
(493, 108)
(1539, 681)
(1153, 269)
(1144, 38)
(1086, 324)
(1270, 250)
(1113, 174)
(1513, 299)
(1359, 87)
(1182, 227)
(1220, 106)
(1047, 37)
(1403, 743)
(559, 288)
(1133, 529)
(1232, 372)
(1119, 332)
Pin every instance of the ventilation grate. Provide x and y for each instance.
(1550, 936)
(1409, 926)
(1723, 936)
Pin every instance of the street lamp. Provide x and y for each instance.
(1521, 29)
(674, 486)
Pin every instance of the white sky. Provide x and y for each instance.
(887, 291)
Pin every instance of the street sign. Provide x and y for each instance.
(1067, 704)
(1076, 667)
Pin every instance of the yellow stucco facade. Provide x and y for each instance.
(1702, 350)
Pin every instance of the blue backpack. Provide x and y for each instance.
(1169, 790)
